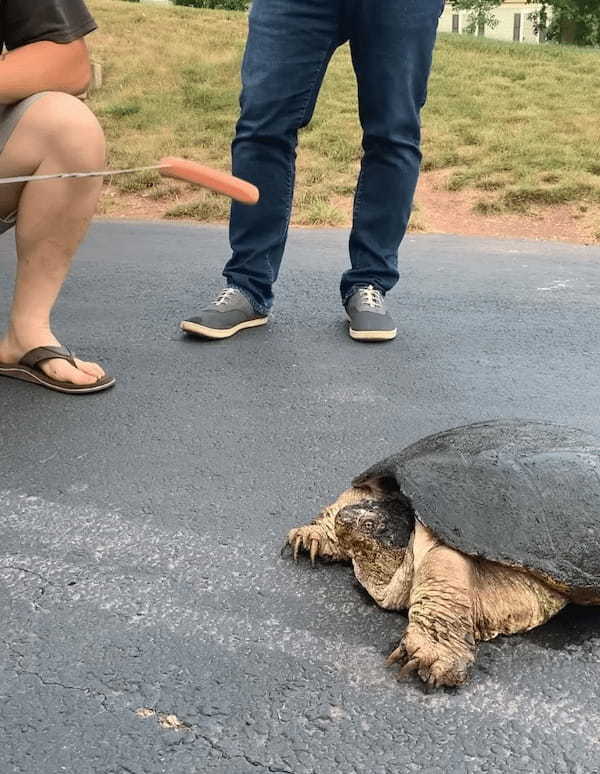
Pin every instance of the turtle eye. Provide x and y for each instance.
(368, 524)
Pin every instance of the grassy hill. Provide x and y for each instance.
(517, 124)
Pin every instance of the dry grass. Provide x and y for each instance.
(518, 123)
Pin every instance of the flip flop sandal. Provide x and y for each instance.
(28, 370)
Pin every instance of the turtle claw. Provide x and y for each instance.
(397, 655)
(315, 540)
(297, 546)
(408, 668)
(400, 655)
(436, 664)
(314, 550)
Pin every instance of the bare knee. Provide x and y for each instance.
(65, 130)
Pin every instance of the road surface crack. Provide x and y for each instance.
(57, 684)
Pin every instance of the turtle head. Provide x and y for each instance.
(375, 524)
(375, 534)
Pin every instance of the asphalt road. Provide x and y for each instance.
(140, 528)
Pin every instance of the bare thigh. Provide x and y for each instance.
(34, 137)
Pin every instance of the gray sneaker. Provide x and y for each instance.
(229, 313)
(369, 320)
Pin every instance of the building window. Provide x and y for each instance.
(455, 22)
(517, 28)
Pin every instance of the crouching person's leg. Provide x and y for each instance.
(56, 133)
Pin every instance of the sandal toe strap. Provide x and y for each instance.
(34, 357)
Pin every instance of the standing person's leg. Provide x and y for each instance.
(56, 133)
(392, 43)
(290, 43)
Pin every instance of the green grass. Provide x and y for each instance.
(206, 206)
(520, 123)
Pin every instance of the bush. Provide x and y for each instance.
(569, 21)
(227, 5)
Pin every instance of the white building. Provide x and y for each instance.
(514, 17)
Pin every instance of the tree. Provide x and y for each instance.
(480, 14)
(569, 21)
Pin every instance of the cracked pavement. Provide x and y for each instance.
(140, 529)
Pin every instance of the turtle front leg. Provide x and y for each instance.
(318, 538)
(439, 642)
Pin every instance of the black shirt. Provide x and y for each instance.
(29, 21)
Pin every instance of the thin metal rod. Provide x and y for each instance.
(65, 175)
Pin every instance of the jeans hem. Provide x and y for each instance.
(258, 308)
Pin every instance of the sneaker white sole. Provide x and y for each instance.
(217, 333)
(373, 335)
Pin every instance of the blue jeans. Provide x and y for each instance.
(290, 43)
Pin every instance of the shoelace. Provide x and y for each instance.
(371, 296)
(224, 296)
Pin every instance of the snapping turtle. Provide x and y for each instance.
(481, 530)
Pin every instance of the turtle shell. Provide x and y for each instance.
(521, 493)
